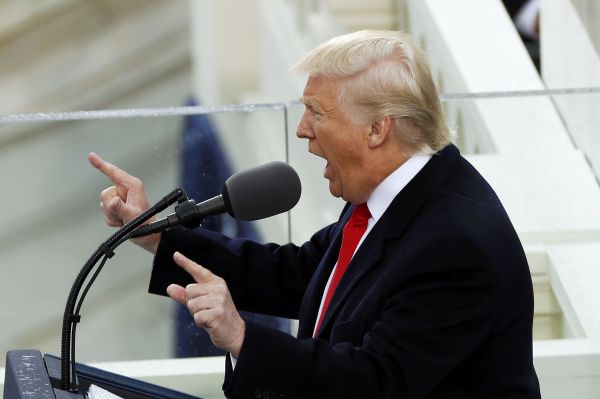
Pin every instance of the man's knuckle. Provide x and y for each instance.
(107, 192)
(190, 288)
(137, 182)
(198, 318)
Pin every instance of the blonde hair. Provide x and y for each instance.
(385, 75)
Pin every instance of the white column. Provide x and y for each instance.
(224, 49)
(569, 59)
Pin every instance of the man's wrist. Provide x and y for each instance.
(236, 346)
(149, 243)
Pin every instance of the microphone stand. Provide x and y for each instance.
(105, 250)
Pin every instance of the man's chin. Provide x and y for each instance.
(336, 192)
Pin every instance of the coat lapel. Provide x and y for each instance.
(314, 290)
(390, 226)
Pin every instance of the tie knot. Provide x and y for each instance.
(360, 214)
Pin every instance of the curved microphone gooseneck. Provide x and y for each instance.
(106, 250)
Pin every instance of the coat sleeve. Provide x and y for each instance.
(262, 278)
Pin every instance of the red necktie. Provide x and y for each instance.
(353, 230)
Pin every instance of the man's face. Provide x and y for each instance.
(333, 137)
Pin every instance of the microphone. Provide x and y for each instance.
(253, 194)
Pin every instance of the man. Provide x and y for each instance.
(436, 302)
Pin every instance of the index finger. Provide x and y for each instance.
(198, 273)
(111, 171)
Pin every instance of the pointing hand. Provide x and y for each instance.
(123, 201)
(211, 305)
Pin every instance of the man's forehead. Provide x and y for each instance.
(320, 84)
(318, 92)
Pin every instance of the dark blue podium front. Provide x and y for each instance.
(29, 375)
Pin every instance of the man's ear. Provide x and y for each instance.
(381, 129)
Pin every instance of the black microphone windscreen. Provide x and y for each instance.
(262, 191)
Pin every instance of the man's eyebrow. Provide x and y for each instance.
(308, 103)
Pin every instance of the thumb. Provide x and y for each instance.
(115, 205)
(177, 292)
(123, 210)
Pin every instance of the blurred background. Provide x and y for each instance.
(188, 92)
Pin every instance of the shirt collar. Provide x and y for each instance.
(388, 189)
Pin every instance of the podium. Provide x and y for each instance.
(29, 375)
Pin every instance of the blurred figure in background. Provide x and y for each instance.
(526, 17)
(203, 171)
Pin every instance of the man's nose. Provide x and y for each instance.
(304, 130)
